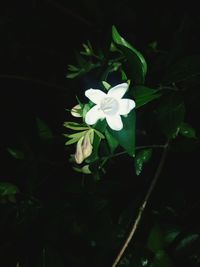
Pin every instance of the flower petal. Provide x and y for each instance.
(114, 122)
(125, 106)
(118, 91)
(95, 95)
(93, 115)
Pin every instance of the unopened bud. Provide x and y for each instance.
(76, 111)
(79, 158)
(87, 144)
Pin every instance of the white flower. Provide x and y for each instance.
(109, 106)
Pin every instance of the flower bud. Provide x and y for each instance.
(79, 158)
(87, 146)
(76, 111)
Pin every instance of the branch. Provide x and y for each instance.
(142, 207)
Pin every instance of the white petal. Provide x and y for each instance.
(95, 95)
(114, 122)
(125, 106)
(93, 115)
(118, 91)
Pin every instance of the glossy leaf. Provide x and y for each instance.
(16, 153)
(112, 141)
(144, 95)
(126, 137)
(135, 58)
(8, 189)
(187, 130)
(141, 157)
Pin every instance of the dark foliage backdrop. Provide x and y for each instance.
(50, 215)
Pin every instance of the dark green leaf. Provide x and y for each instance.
(155, 240)
(8, 189)
(162, 259)
(126, 137)
(187, 131)
(143, 95)
(171, 115)
(18, 154)
(43, 129)
(135, 58)
(187, 241)
(141, 157)
(112, 141)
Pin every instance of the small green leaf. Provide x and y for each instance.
(43, 130)
(187, 130)
(8, 189)
(141, 157)
(135, 58)
(106, 85)
(75, 126)
(16, 153)
(126, 137)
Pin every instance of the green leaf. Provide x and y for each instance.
(187, 130)
(141, 157)
(8, 189)
(43, 129)
(155, 240)
(106, 85)
(112, 141)
(18, 154)
(75, 126)
(135, 58)
(144, 95)
(162, 259)
(171, 115)
(126, 137)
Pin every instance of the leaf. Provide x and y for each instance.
(144, 95)
(162, 259)
(135, 58)
(18, 154)
(141, 157)
(43, 129)
(75, 126)
(106, 85)
(112, 141)
(171, 115)
(8, 189)
(187, 241)
(126, 137)
(155, 240)
(187, 130)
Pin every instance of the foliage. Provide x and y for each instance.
(57, 212)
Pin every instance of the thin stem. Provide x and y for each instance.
(142, 207)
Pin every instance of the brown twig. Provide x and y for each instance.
(142, 207)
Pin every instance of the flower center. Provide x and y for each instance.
(109, 106)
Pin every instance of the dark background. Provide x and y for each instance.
(55, 216)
